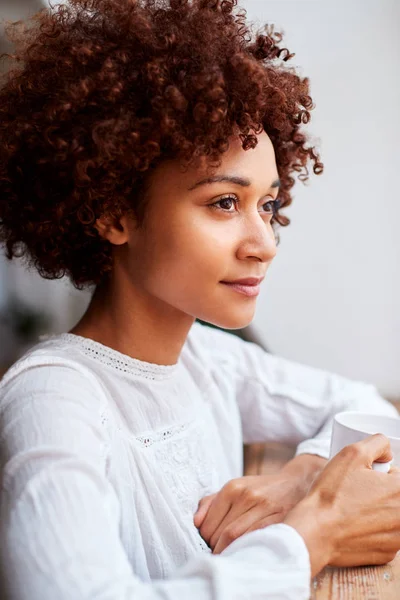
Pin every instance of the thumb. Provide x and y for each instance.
(202, 510)
(376, 448)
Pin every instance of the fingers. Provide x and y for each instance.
(202, 510)
(216, 513)
(225, 510)
(236, 498)
(234, 523)
(250, 521)
(266, 522)
(375, 448)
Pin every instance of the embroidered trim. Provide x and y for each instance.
(117, 360)
(163, 434)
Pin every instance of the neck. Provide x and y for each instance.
(129, 321)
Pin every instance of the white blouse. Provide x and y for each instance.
(104, 458)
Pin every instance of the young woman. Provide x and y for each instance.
(147, 149)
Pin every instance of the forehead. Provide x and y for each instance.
(257, 164)
(262, 156)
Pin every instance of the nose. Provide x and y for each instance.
(257, 239)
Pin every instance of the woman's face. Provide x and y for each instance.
(199, 234)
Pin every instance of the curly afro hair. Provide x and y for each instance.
(99, 92)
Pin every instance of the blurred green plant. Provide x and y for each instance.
(25, 323)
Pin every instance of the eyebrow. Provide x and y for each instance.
(243, 181)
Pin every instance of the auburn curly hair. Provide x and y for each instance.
(99, 92)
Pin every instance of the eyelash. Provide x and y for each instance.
(275, 204)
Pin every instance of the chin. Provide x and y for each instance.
(238, 321)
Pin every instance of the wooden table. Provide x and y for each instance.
(361, 583)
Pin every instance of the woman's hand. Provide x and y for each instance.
(351, 516)
(251, 502)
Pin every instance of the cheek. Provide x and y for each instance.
(187, 260)
(193, 248)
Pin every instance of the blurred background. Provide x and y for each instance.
(331, 298)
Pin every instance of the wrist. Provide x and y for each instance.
(316, 527)
(305, 468)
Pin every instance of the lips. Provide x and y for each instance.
(246, 281)
(249, 286)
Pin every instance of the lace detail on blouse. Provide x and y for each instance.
(114, 359)
(187, 462)
(159, 436)
(189, 467)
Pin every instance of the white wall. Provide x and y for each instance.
(332, 295)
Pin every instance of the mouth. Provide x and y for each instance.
(248, 287)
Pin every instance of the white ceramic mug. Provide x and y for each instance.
(350, 427)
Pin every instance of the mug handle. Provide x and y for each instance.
(382, 467)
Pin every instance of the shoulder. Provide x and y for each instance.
(51, 414)
(224, 351)
(50, 368)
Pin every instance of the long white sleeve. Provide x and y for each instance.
(280, 400)
(60, 516)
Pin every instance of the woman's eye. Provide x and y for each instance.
(225, 204)
(271, 207)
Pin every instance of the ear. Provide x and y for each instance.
(112, 229)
